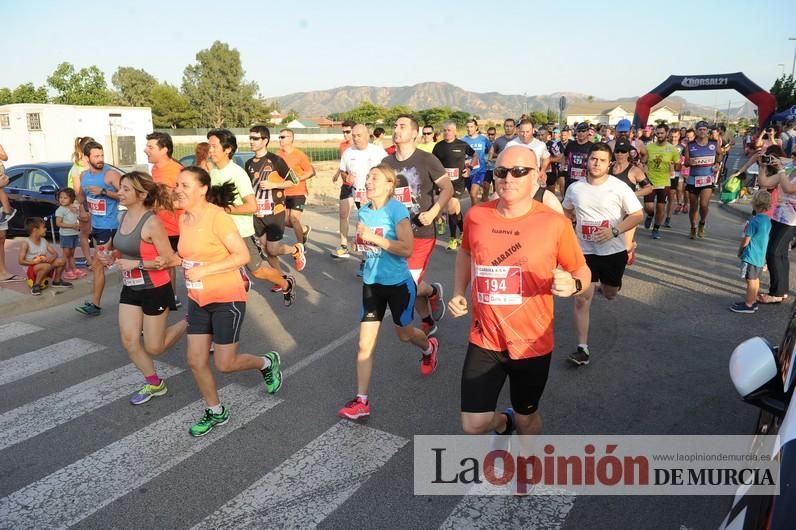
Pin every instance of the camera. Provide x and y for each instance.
(766, 159)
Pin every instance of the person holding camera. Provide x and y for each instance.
(777, 171)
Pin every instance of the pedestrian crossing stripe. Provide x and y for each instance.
(45, 358)
(15, 330)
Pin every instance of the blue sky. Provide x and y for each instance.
(508, 47)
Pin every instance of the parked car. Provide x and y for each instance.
(764, 376)
(239, 158)
(32, 190)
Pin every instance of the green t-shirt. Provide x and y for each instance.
(232, 172)
(659, 163)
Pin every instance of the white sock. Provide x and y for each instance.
(363, 397)
(428, 351)
(584, 347)
(218, 409)
(266, 363)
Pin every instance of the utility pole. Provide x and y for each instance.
(793, 68)
(782, 73)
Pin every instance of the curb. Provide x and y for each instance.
(736, 211)
(13, 303)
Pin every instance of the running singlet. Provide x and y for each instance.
(453, 155)
(577, 156)
(511, 277)
(133, 247)
(270, 168)
(202, 243)
(624, 176)
(383, 267)
(102, 208)
(481, 146)
(684, 170)
(701, 159)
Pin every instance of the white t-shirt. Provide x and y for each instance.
(358, 162)
(600, 206)
(232, 172)
(537, 146)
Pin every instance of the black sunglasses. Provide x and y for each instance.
(428, 133)
(283, 137)
(347, 132)
(255, 138)
(516, 171)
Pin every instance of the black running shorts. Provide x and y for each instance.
(485, 371)
(609, 269)
(401, 299)
(152, 302)
(221, 320)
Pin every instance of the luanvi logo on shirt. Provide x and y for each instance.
(505, 231)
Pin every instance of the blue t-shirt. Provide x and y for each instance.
(381, 266)
(758, 229)
(480, 145)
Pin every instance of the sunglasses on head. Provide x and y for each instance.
(516, 171)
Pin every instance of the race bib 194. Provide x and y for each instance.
(498, 285)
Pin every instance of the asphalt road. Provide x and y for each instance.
(73, 452)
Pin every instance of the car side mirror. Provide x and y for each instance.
(754, 372)
(48, 189)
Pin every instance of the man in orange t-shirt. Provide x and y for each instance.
(296, 196)
(159, 150)
(518, 253)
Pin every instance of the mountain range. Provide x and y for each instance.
(487, 105)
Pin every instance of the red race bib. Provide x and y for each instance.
(498, 285)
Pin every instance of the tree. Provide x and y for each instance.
(134, 86)
(214, 86)
(784, 90)
(434, 116)
(392, 114)
(291, 115)
(6, 96)
(169, 108)
(27, 93)
(538, 118)
(84, 87)
(367, 113)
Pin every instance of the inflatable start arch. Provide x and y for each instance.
(766, 103)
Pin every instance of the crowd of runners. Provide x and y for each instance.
(506, 203)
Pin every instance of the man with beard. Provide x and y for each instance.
(421, 172)
(99, 187)
(663, 158)
(702, 158)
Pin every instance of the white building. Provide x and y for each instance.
(610, 112)
(38, 132)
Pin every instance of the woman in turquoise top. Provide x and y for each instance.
(384, 236)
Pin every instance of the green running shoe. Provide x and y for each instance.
(208, 421)
(273, 374)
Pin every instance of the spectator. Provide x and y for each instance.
(7, 211)
(40, 257)
(66, 219)
(202, 153)
(753, 251)
(74, 180)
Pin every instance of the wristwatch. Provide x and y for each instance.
(141, 264)
(102, 192)
(578, 286)
(615, 231)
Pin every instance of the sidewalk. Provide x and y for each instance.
(15, 297)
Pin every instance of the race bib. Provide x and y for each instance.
(578, 173)
(360, 195)
(186, 265)
(404, 196)
(364, 246)
(498, 285)
(133, 277)
(588, 229)
(97, 206)
(452, 172)
(702, 181)
(265, 206)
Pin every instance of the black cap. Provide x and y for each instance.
(622, 146)
(582, 127)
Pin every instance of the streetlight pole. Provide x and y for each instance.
(782, 73)
(793, 68)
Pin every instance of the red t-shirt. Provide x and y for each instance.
(168, 176)
(512, 262)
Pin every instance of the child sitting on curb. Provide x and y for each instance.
(40, 257)
(753, 251)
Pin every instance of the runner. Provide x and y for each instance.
(701, 156)
(525, 139)
(603, 208)
(79, 166)
(426, 141)
(99, 187)
(223, 145)
(270, 177)
(354, 166)
(512, 287)
(509, 127)
(576, 155)
(456, 157)
(296, 196)
(685, 171)
(159, 151)
(491, 135)
(634, 177)
(565, 140)
(421, 172)
(213, 257)
(143, 247)
(556, 151)
(663, 159)
(480, 145)
(672, 205)
(384, 234)
(624, 131)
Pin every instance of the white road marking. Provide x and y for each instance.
(304, 489)
(45, 358)
(32, 419)
(17, 329)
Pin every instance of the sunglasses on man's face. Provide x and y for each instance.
(428, 133)
(283, 137)
(347, 132)
(516, 171)
(255, 138)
